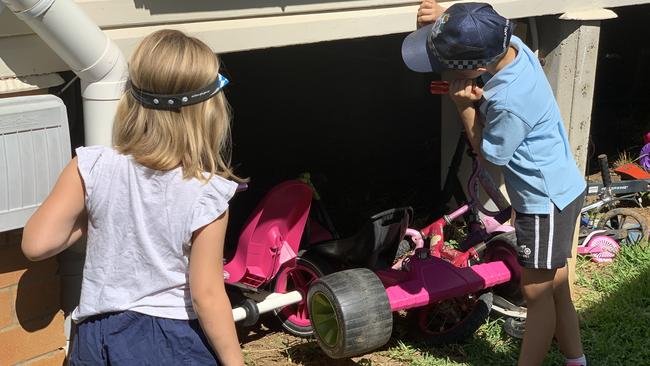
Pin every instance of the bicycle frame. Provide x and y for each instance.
(481, 229)
(609, 200)
(611, 193)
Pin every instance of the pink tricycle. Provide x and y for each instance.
(266, 274)
(447, 291)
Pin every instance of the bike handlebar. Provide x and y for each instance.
(604, 170)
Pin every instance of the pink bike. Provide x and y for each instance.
(447, 291)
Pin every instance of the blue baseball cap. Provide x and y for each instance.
(465, 36)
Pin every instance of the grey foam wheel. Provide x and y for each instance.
(350, 312)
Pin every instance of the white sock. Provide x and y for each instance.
(582, 360)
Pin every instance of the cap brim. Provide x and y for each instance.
(415, 54)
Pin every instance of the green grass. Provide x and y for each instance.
(616, 313)
(614, 308)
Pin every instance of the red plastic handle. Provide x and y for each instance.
(439, 87)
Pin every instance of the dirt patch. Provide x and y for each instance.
(268, 345)
(644, 212)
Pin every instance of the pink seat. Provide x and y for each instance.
(271, 235)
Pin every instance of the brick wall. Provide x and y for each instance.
(31, 319)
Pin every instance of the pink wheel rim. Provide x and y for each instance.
(506, 254)
(298, 278)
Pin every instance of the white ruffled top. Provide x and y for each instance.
(140, 225)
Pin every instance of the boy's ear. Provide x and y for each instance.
(481, 69)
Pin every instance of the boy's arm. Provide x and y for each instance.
(473, 127)
(504, 132)
(465, 93)
(428, 12)
(208, 291)
(60, 220)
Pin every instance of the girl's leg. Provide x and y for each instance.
(537, 287)
(567, 328)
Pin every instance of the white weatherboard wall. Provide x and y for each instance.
(235, 25)
(34, 148)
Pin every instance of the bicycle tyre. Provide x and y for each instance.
(295, 318)
(458, 331)
(616, 220)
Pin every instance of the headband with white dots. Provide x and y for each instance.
(176, 101)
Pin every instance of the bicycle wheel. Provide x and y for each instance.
(295, 318)
(627, 225)
(453, 320)
(503, 247)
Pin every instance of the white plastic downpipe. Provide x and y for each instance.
(89, 52)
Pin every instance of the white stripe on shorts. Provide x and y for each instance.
(536, 241)
(550, 237)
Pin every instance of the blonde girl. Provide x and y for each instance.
(154, 208)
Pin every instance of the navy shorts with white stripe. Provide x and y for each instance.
(544, 241)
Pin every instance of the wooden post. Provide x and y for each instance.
(568, 51)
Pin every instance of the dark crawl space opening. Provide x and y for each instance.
(366, 128)
(621, 109)
(349, 113)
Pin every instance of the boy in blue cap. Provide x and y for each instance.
(514, 122)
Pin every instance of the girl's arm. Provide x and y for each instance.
(209, 293)
(60, 220)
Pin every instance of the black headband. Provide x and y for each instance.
(176, 101)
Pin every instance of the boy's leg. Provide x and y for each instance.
(544, 243)
(537, 287)
(567, 328)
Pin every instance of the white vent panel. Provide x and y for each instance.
(34, 148)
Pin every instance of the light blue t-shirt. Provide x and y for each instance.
(524, 133)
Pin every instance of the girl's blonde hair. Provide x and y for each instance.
(196, 137)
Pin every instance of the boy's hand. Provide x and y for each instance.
(428, 12)
(464, 92)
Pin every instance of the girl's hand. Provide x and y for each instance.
(428, 12)
(464, 92)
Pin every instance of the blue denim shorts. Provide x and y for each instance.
(130, 338)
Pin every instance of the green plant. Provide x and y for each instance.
(623, 158)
